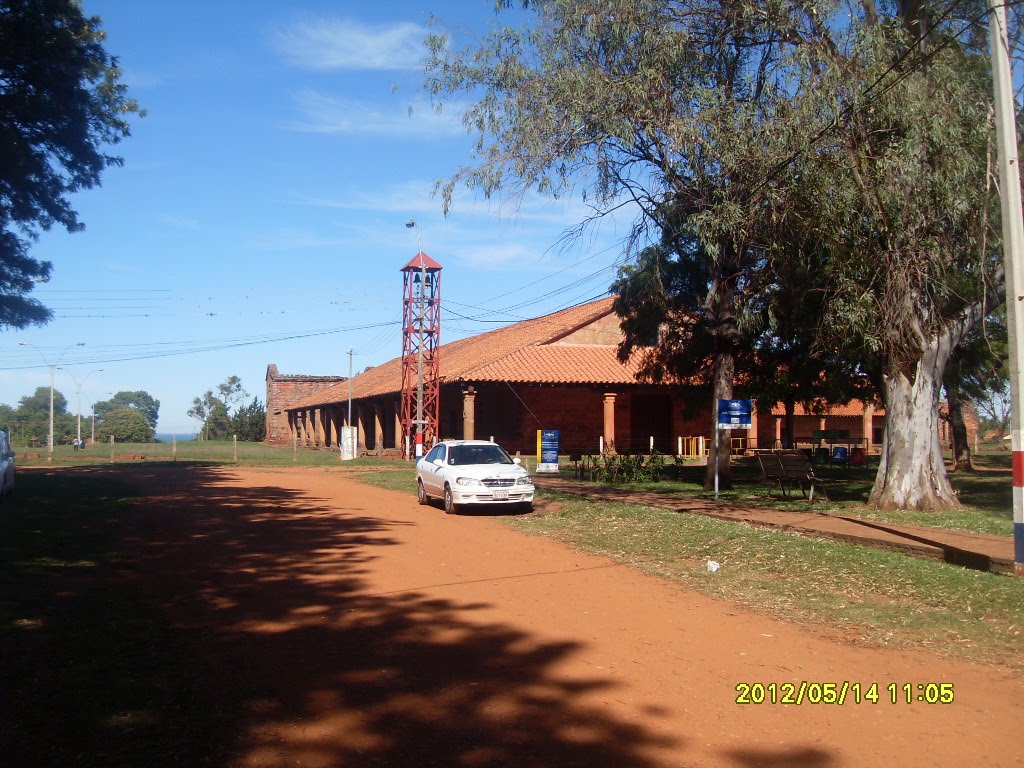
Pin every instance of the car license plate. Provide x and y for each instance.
(500, 495)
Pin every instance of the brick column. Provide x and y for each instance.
(609, 422)
(469, 414)
(778, 431)
(868, 425)
(378, 428)
(752, 441)
(357, 414)
(333, 414)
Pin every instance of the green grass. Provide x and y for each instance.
(986, 496)
(212, 452)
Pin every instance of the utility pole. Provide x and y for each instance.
(78, 393)
(53, 370)
(1013, 252)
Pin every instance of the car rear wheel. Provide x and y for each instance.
(421, 493)
(449, 502)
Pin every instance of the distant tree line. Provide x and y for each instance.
(130, 417)
(219, 422)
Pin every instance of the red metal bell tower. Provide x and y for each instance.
(421, 340)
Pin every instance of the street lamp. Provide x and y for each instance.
(78, 393)
(53, 368)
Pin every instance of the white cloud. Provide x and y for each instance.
(332, 44)
(321, 113)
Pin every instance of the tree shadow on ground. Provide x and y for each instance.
(162, 617)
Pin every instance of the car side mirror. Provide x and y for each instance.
(438, 462)
(516, 460)
(11, 454)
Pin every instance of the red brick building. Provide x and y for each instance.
(559, 371)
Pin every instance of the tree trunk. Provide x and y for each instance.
(912, 474)
(962, 458)
(721, 440)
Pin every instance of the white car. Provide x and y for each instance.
(472, 472)
(6, 466)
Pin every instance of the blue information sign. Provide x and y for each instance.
(735, 414)
(549, 446)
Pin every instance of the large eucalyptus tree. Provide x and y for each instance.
(898, 195)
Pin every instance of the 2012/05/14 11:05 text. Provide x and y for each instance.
(844, 692)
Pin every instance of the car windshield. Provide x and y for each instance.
(460, 455)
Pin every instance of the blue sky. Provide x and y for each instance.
(259, 216)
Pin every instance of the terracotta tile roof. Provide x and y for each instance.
(523, 352)
(559, 364)
(853, 408)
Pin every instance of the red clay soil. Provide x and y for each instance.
(340, 625)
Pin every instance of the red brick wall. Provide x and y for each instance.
(604, 331)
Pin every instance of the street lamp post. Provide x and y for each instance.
(53, 369)
(78, 393)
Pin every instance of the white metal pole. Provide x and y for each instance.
(49, 457)
(1013, 251)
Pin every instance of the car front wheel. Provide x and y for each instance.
(449, 502)
(421, 493)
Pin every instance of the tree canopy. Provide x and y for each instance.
(62, 103)
(28, 424)
(126, 425)
(219, 423)
(140, 400)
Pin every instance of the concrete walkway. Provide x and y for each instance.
(971, 550)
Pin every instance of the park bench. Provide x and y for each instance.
(789, 468)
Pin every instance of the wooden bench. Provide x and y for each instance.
(789, 468)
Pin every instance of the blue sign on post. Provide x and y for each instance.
(548, 451)
(735, 414)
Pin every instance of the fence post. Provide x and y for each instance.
(174, 447)
(236, 447)
(295, 448)
(111, 447)
(600, 445)
(652, 445)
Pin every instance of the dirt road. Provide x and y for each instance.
(341, 625)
